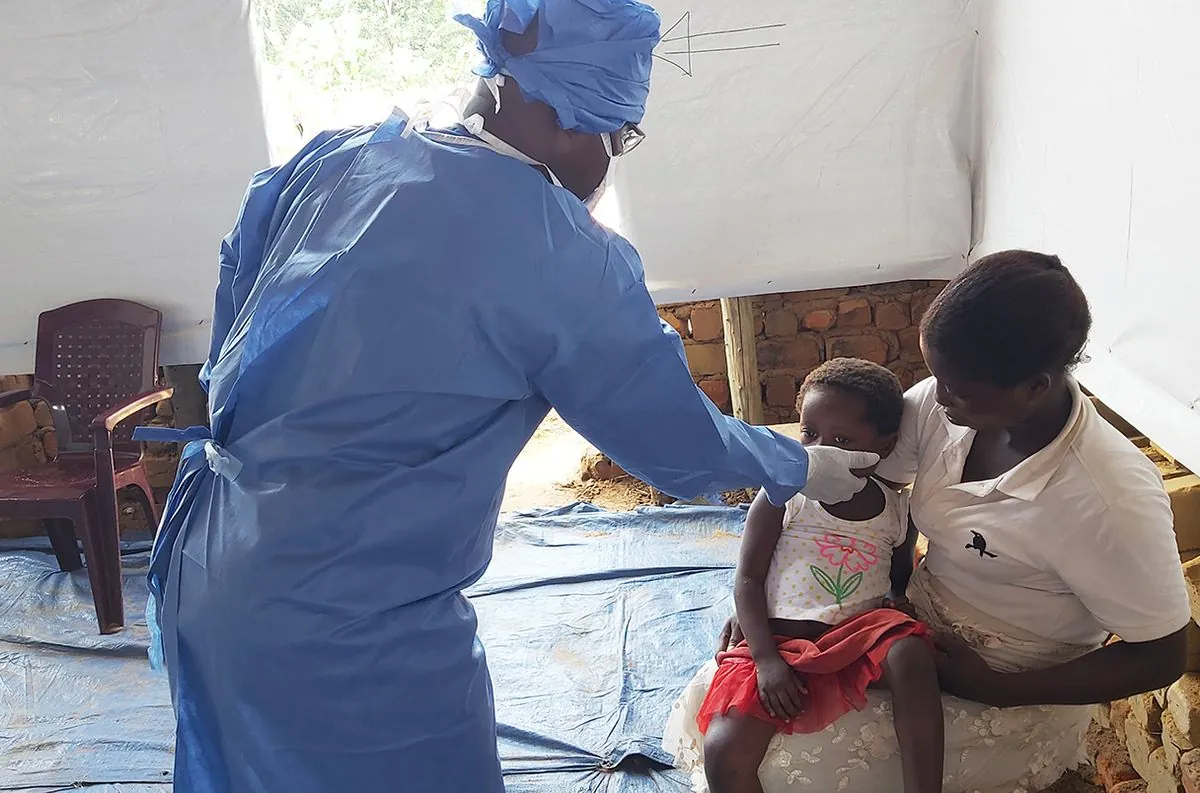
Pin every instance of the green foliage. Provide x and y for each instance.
(370, 45)
(338, 63)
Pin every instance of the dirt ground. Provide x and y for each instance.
(546, 475)
(1073, 783)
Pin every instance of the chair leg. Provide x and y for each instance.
(138, 480)
(152, 508)
(65, 544)
(101, 544)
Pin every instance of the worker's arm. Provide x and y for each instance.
(618, 374)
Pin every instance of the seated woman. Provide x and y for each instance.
(1048, 531)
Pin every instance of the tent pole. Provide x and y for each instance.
(741, 356)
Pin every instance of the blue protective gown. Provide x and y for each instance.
(395, 317)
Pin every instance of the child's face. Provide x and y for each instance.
(833, 417)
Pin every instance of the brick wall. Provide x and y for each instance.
(800, 330)
(27, 438)
(1151, 742)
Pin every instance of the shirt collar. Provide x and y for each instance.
(1027, 479)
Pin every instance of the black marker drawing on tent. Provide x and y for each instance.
(677, 45)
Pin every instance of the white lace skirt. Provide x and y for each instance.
(988, 750)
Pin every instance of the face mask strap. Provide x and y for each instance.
(494, 84)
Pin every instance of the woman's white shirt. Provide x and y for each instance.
(1072, 544)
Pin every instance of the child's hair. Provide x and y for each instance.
(879, 388)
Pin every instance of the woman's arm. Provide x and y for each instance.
(764, 524)
(1119, 670)
(899, 469)
(1116, 671)
(903, 561)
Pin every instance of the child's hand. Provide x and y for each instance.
(780, 689)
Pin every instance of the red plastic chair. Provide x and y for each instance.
(97, 367)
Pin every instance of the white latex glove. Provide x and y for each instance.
(830, 477)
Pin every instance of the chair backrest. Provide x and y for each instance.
(96, 355)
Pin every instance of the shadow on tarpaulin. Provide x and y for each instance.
(593, 622)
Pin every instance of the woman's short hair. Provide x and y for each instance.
(1007, 318)
(878, 387)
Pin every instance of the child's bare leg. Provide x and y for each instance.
(910, 673)
(734, 748)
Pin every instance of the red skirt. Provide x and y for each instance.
(837, 669)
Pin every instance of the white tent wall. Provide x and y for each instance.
(837, 155)
(818, 144)
(128, 133)
(1089, 130)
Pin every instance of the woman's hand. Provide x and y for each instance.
(899, 602)
(731, 635)
(780, 689)
(963, 672)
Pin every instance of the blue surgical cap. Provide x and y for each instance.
(592, 61)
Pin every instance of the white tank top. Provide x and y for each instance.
(826, 569)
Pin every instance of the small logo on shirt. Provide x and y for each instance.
(979, 543)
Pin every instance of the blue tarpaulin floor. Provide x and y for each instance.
(593, 622)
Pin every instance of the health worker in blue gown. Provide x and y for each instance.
(398, 309)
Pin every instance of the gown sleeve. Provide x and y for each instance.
(619, 376)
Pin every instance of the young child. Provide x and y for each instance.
(820, 597)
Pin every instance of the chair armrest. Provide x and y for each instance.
(10, 398)
(108, 421)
